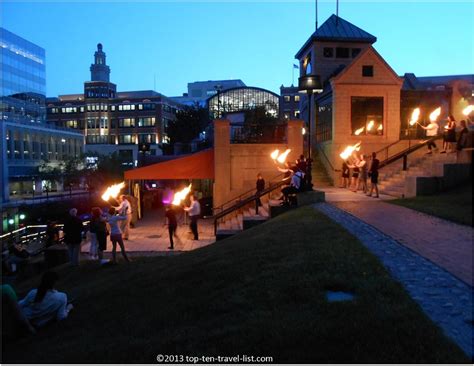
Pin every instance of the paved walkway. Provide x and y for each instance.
(447, 244)
(334, 194)
(447, 300)
(150, 236)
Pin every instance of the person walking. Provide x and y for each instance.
(194, 210)
(260, 187)
(172, 224)
(99, 229)
(73, 236)
(124, 209)
(431, 131)
(116, 234)
(374, 175)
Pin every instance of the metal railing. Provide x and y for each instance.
(239, 204)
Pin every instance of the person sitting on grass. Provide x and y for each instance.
(14, 322)
(45, 304)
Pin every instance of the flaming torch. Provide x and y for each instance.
(112, 192)
(414, 116)
(370, 125)
(349, 150)
(282, 158)
(274, 154)
(359, 131)
(468, 110)
(380, 128)
(435, 114)
(181, 195)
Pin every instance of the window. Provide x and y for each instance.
(72, 123)
(82, 109)
(367, 115)
(287, 98)
(127, 122)
(328, 52)
(342, 52)
(112, 108)
(125, 139)
(297, 98)
(145, 138)
(91, 123)
(307, 64)
(367, 70)
(146, 121)
(355, 52)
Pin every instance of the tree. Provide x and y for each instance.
(189, 123)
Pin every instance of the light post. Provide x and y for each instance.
(310, 84)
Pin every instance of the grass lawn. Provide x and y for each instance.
(454, 205)
(260, 293)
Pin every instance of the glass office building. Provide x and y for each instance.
(26, 139)
(23, 84)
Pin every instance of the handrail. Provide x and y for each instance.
(404, 154)
(246, 201)
(325, 157)
(239, 197)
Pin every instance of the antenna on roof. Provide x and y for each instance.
(316, 12)
(337, 12)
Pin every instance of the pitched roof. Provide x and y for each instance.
(337, 29)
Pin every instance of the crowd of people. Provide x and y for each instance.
(356, 173)
(451, 143)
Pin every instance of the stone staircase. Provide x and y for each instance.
(393, 179)
(319, 174)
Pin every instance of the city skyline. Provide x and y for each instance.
(254, 42)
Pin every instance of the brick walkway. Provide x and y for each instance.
(447, 300)
(447, 244)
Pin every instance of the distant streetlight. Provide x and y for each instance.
(310, 84)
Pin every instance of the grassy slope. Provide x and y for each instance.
(259, 293)
(454, 205)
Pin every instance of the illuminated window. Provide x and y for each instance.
(287, 98)
(146, 121)
(297, 98)
(125, 139)
(367, 115)
(127, 122)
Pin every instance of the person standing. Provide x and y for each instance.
(260, 187)
(355, 175)
(344, 175)
(374, 175)
(124, 209)
(172, 224)
(431, 131)
(116, 234)
(194, 210)
(363, 173)
(449, 135)
(73, 236)
(463, 136)
(99, 228)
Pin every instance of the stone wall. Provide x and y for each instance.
(236, 165)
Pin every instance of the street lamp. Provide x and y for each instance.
(310, 84)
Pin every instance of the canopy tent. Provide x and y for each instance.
(196, 166)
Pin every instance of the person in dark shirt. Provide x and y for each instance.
(99, 228)
(463, 136)
(172, 224)
(374, 176)
(260, 187)
(73, 236)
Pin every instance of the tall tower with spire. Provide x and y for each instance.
(99, 69)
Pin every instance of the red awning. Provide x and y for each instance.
(196, 166)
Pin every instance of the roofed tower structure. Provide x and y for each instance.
(332, 47)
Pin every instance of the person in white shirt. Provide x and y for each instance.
(295, 184)
(194, 210)
(116, 234)
(45, 304)
(125, 209)
(431, 131)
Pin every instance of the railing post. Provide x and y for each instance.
(405, 161)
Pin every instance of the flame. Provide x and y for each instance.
(113, 191)
(359, 131)
(414, 116)
(274, 154)
(468, 110)
(281, 159)
(380, 128)
(370, 125)
(435, 114)
(303, 131)
(181, 195)
(349, 150)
